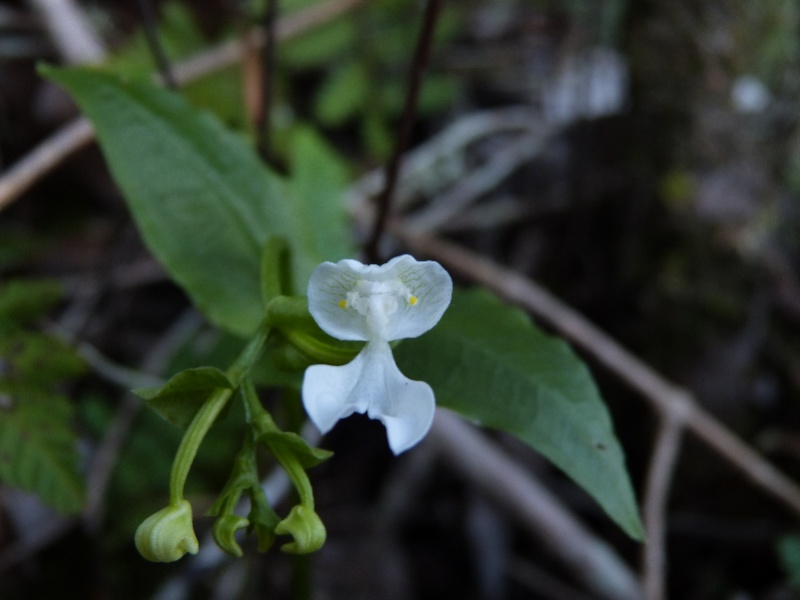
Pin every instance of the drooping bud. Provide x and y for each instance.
(305, 526)
(165, 536)
(225, 528)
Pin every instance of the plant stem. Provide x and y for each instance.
(208, 413)
(264, 125)
(154, 42)
(416, 73)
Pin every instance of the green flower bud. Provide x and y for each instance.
(224, 530)
(305, 527)
(165, 536)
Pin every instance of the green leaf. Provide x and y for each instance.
(38, 359)
(308, 456)
(37, 444)
(323, 45)
(22, 300)
(342, 94)
(38, 448)
(202, 199)
(788, 548)
(318, 182)
(180, 398)
(489, 363)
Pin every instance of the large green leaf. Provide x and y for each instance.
(489, 363)
(203, 201)
(318, 180)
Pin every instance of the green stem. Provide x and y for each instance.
(263, 423)
(208, 413)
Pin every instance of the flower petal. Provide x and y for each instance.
(371, 383)
(408, 414)
(401, 299)
(327, 288)
(329, 392)
(432, 287)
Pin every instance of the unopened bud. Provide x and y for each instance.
(305, 527)
(167, 535)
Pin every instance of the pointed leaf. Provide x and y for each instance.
(180, 398)
(308, 456)
(488, 362)
(203, 201)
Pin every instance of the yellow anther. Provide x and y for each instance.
(413, 300)
(343, 304)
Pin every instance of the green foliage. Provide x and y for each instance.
(363, 61)
(206, 206)
(37, 443)
(23, 301)
(489, 363)
(179, 399)
(203, 201)
(788, 548)
(180, 37)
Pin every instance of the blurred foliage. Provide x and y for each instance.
(181, 37)
(38, 446)
(788, 549)
(361, 66)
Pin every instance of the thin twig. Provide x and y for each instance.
(590, 559)
(150, 26)
(439, 159)
(79, 133)
(68, 140)
(264, 124)
(479, 182)
(667, 398)
(654, 506)
(71, 32)
(417, 71)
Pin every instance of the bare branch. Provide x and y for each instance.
(656, 495)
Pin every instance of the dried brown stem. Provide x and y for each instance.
(654, 506)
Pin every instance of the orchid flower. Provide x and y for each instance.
(378, 304)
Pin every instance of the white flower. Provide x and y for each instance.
(378, 304)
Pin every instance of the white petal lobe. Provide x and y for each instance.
(371, 383)
(402, 299)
